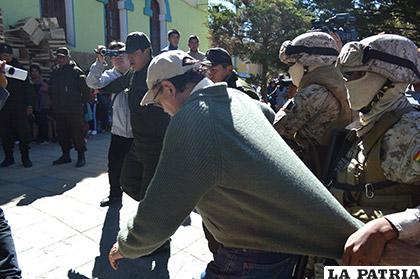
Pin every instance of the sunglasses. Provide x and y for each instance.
(156, 98)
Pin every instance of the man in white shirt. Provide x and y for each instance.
(193, 44)
(121, 132)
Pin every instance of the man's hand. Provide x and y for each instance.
(114, 256)
(365, 246)
(3, 80)
(99, 57)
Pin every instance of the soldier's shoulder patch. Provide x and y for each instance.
(417, 157)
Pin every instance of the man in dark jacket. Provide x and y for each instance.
(69, 91)
(221, 69)
(149, 123)
(14, 115)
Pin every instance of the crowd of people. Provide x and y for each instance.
(275, 180)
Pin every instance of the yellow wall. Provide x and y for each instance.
(190, 20)
(89, 24)
(137, 20)
(89, 20)
(249, 68)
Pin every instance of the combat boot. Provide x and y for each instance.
(26, 162)
(8, 161)
(64, 159)
(81, 161)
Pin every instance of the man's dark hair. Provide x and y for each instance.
(36, 67)
(193, 37)
(218, 56)
(173, 31)
(116, 45)
(180, 82)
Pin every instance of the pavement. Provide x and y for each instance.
(61, 232)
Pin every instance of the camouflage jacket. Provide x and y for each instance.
(306, 118)
(400, 150)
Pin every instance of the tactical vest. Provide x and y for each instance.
(360, 183)
(314, 155)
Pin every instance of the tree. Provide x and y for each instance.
(373, 16)
(399, 17)
(255, 30)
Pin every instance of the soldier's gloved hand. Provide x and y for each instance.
(3, 80)
(365, 246)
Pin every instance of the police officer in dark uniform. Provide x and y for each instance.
(220, 69)
(69, 92)
(14, 115)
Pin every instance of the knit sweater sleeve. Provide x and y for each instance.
(187, 169)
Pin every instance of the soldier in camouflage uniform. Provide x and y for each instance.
(380, 173)
(320, 104)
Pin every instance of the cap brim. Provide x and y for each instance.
(206, 63)
(148, 98)
(128, 50)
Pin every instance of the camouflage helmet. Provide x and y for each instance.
(392, 56)
(312, 48)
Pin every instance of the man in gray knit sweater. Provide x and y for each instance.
(222, 156)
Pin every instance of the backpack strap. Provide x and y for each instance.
(385, 123)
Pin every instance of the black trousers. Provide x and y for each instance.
(138, 169)
(14, 123)
(8, 261)
(41, 118)
(70, 131)
(118, 148)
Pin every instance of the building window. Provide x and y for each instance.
(151, 8)
(112, 21)
(54, 8)
(155, 27)
(63, 11)
(165, 10)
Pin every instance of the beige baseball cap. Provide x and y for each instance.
(165, 66)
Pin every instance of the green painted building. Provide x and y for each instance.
(88, 23)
